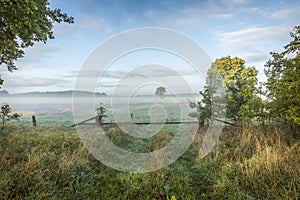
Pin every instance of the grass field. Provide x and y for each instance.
(58, 110)
(50, 162)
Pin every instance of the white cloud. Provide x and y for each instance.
(256, 56)
(186, 21)
(91, 22)
(33, 81)
(139, 74)
(287, 13)
(253, 37)
(83, 22)
(241, 26)
(194, 14)
(238, 1)
(42, 48)
(36, 54)
(221, 15)
(234, 2)
(18, 82)
(255, 11)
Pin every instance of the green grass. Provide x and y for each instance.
(50, 162)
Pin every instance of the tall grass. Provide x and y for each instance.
(50, 162)
(257, 165)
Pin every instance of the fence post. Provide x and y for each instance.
(33, 120)
(99, 119)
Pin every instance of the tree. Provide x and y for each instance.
(6, 115)
(283, 84)
(212, 105)
(199, 113)
(160, 92)
(22, 23)
(239, 84)
(101, 113)
(262, 111)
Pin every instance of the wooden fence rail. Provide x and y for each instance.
(99, 122)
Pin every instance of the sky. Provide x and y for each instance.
(248, 29)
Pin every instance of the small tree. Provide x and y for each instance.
(213, 102)
(199, 113)
(101, 113)
(160, 92)
(6, 115)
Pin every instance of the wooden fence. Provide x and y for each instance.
(99, 121)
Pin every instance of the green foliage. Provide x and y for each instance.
(283, 72)
(239, 84)
(22, 23)
(160, 92)
(213, 102)
(213, 96)
(6, 115)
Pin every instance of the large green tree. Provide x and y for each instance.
(22, 23)
(283, 84)
(239, 85)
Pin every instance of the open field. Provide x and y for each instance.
(50, 162)
(58, 110)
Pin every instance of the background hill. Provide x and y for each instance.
(67, 93)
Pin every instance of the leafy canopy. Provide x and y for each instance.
(160, 92)
(283, 84)
(239, 84)
(22, 23)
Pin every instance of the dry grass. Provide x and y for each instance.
(262, 165)
(52, 163)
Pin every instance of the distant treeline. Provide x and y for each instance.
(68, 93)
(170, 95)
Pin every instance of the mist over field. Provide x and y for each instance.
(58, 109)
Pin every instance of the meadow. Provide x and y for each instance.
(49, 161)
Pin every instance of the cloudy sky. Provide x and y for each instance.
(249, 29)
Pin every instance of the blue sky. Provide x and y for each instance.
(245, 28)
